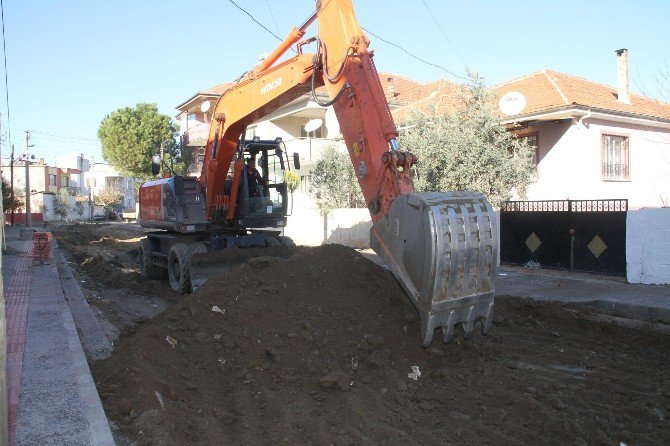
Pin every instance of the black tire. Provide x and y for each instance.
(179, 268)
(286, 241)
(145, 258)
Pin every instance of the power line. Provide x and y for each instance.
(443, 33)
(272, 15)
(254, 19)
(4, 53)
(63, 136)
(412, 55)
(55, 144)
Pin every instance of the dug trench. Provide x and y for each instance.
(317, 348)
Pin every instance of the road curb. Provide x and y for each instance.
(643, 313)
(95, 343)
(100, 432)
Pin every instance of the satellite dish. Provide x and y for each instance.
(205, 106)
(313, 124)
(512, 103)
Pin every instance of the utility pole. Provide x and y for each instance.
(4, 403)
(11, 184)
(29, 220)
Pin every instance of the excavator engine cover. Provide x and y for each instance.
(442, 248)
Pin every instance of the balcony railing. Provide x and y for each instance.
(615, 171)
(198, 132)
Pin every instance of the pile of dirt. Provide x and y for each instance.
(104, 259)
(104, 256)
(107, 258)
(317, 349)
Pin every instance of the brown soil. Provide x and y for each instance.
(316, 349)
(104, 257)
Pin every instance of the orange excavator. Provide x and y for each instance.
(441, 246)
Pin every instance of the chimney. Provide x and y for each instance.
(623, 81)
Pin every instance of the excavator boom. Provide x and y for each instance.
(441, 246)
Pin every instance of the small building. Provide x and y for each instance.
(592, 141)
(102, 175)
(43, 178)
(94, 176)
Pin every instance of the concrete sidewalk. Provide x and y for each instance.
(609, 295)
(52, 396)
(606, 295)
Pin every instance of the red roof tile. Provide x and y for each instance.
(218, 89)
(548, 89)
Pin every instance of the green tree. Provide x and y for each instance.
(131, 136)
(79, 208)
(468, 149)
(334, 183)
(292, 181)
(7, 204)
(62, 204)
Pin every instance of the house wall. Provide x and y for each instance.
(39, 177)
(648, 246)
(77, 165)
(306, 226)
(47, 200)
(288, 128)
(570, 163)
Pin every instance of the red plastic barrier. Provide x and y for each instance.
(41, 247)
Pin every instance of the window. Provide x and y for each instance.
(615, 157)
(191, 120)
(66, 182)
(52, 180)
(315, 134)
(532, 140)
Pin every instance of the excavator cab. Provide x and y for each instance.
(262, 201)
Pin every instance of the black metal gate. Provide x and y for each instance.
(580, 235)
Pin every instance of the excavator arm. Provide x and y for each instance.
(440, 246)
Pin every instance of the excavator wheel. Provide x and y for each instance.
(286, 241)
(442, 247)
(147, 266)
(179, 268)
(281, 240)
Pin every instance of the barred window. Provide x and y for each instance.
(615, 157)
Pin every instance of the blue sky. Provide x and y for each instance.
(71, 62)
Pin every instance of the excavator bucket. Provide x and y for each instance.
(442, 247)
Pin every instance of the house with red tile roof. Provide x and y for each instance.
(592, 141)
